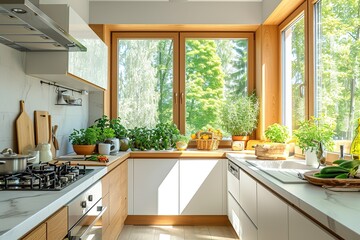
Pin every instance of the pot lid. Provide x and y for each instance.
(8, 154)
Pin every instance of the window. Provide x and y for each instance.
(145, 81)
(293, 72)
(337, 64)
(179, 77)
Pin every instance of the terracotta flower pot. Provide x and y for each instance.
(84, 149)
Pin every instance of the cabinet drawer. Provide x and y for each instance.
(248, 196)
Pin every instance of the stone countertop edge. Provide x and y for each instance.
(21, 211)
(337, 211)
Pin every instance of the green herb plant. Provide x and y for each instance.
(119, 129)
(277, 133)
(311, 132)
(104, 128)
(240, 116)
(88, 136)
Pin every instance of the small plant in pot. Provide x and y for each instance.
(312, 132)
(182, 142)
(84, 140)
(106, 133)
(240, 116)
(277, 148)
(121, 133)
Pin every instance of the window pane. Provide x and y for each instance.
(293, 75)
(337, 60)
(216, 69)
(145, 80)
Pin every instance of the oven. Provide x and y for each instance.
(84, 212)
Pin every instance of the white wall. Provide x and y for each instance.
(16, 86)
(175, 12)
(80, 6)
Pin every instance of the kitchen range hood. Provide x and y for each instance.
(25, 27)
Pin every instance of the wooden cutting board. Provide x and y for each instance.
(42, 134)
(24, 131)
(52, 147)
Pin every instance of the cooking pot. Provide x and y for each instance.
(11, 162)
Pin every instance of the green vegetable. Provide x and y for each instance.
(339, 161)
(350, 164)
(342, 176)
(328, 175)
(334, 169)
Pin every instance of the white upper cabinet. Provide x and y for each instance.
(82, 70)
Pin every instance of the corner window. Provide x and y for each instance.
(294, 90)
(337, 65)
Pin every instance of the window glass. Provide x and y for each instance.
(337, 64)
(145, 81)
(215, 70)
(293, 73)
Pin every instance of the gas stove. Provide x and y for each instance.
(44, 177)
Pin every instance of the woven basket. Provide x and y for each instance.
(207, 144)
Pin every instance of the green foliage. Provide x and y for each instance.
(313, 131)
(204, 84)
(104, 129)
(162, 137)
(119, 129)
(240, 116)
(277, 133)
(182, 138)
(88, 136)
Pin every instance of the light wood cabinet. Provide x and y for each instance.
(272, 215)
(202, 187)
(300, 227)
(54, 228)
(39, 233)
(115, 185)
(57, 225)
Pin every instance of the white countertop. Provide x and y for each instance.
(21, 211)
(338, 211)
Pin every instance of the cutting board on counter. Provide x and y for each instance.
(52, 146)
(42, 134)
(24, 131)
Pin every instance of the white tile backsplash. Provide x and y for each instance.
(15, 85)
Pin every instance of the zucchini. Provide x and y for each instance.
(339, 161)
(334, 169)
(328, 175)
(350, 164)
(342, 176)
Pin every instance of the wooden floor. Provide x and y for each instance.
(130, 232)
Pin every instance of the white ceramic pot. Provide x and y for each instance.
(310, 158)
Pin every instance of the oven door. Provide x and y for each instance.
(86, 227)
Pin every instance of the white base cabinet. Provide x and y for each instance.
(177, 187)
(300, 228)
(272, 215)
(202, 187)
(248, 196)
(156, 187)
(241, 223)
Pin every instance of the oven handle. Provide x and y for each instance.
(93, 223)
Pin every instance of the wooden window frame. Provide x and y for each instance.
(179, 66)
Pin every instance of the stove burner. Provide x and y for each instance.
(44, 177)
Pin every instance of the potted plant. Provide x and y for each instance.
(84, 140)
(120, 132)
(277, 147)
(182, 142)
(240, 116)
(105, 133)
(310, 133)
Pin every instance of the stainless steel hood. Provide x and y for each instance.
(25, 27)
